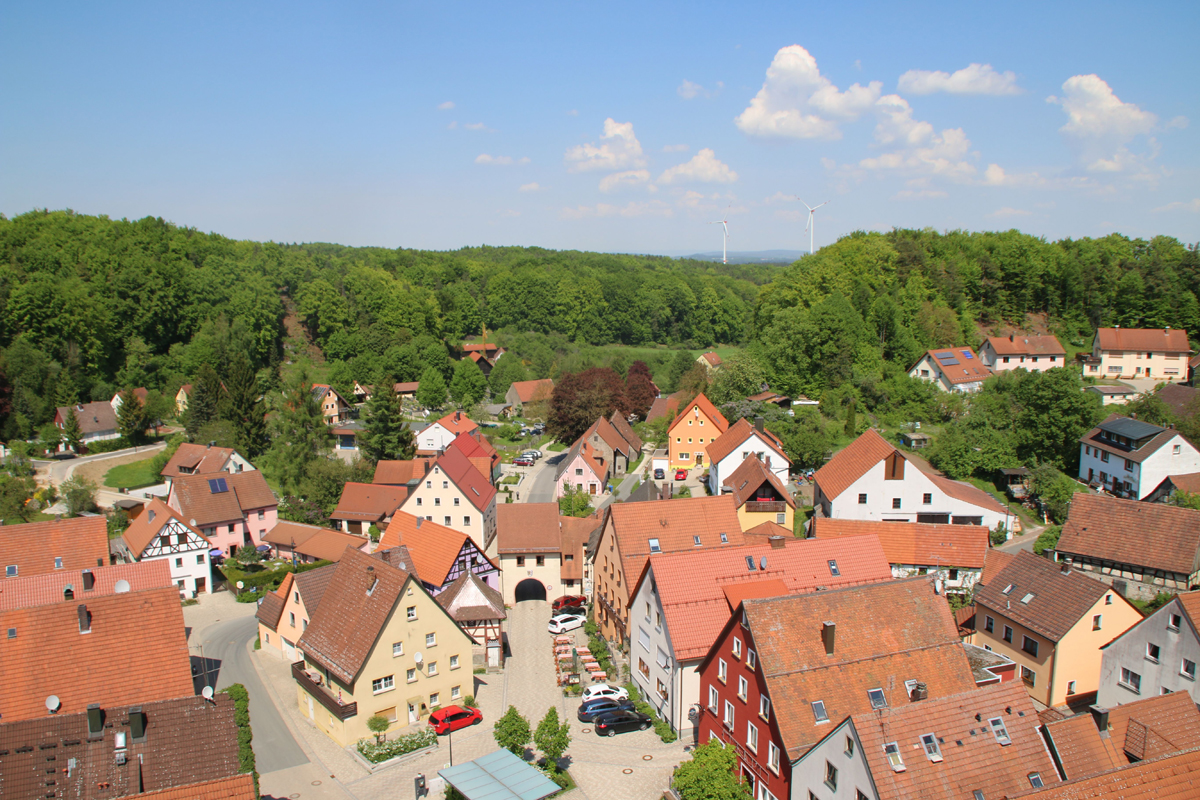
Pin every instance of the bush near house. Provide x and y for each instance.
(377, 752)
(664, 730)
(241, 712)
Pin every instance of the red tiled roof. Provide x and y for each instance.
(198, 458)
(312, 540)
(432, 547)
(622, 425)
(1171, 340)
(475, 487)
(456, 422)
(699, 588)
(967, 493)
(739, 432)
(406, 387)
(575, 534)
(40, 590)
(1059, 599)
(1098, 527)
(197, 502)
(1173, 777)
(136, 652)
(486, 347)
(712, 358)
(767, 529)
(1023, 345)
(270, 608)
(707, 409)
(609, 435)
(958, 364)
(1189, 482)
(674, 523)
(751, 474)
(918, 544)
(81, 543)
(993, 562)
(235, 787)
(369, 502)
(852, 463)
(529, 391)
(143, 528)
(399, 473)
(470, 599)
(528, 528)
(663, 407)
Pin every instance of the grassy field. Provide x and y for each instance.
(132, 476)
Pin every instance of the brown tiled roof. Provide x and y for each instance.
(456, 422)
(623, 427)
(698, 589)
(398, 557)
(1172, 777)
(914, 543)
(369, 502)
(136, 652)
(1171, 340)
(663, 407)
(852, 463)
(235, 787)
(312, 584)
(609, 435)
(1059, 599)
(475, 486)
(967, 493)
(575, 534)
(751, 474)
(312, 540)
(469, 598)
(739, 432)
(993, 562)
(486, 347)
(399, 473)
(40, 590)
(767, 529)
(189, 741)
(712, 358)
(1182, 400)
(707, 409)
(1143, 729)
(406, 387)
(1168, 537)
(343, 629)
(528, 391)
(971, 758)
(528, 528)
(200, 459)
(964, 369)
(81, 543)
(247, 491)
(1026, 345)
(885, 634)
(270, 609)
(1189, 482)
(432, 547)
(143, 529)
(674, 523)
(96, 417)
(1139, 455)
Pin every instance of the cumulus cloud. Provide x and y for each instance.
(703, 168)
(530, 187)
(995, 175)
(797, 101)
(624, 180)
(919, 149)
(1006, 211)
(973, 79)
(619, 149)
(1181, 205)
(1101, 126)
(649, 208)
(446, 106)
(688, 90)
(500, 161)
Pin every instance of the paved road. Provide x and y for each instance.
(539, 487)
(59, 471)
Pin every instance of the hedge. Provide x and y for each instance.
(241, 715)
(390, 748)
(664, 731)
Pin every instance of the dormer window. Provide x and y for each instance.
(58, 562)
(932, 751)
(892, 751)
(877, 698)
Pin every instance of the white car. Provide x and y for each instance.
(604, 690)
(566, 622)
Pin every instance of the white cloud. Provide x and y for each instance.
(1100, 126)
(973, 79)
(675, 148)
(995, 175)
(530, 187)
(828, 163)
(797, 101)
(649, 208)
(452, 125)
(620, 150)
(477, 126)
(1000, 213)
(624, 180)
(446, 106)
(919, 194)
(779, 197)
(920, 149)
(704, 168)
(1180, 205)
(688, 90)
(500, 161)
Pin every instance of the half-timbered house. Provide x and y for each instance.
(440, 555)
(159, 533)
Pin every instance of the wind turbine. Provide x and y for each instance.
(724, 223)
(811, 227)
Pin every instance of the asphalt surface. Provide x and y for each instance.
(540, 488)
(59, 471)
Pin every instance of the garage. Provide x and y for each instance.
(530, 589)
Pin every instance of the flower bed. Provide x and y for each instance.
(391, 748)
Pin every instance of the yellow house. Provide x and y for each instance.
(760, 495)
(698, 425)
(283, 614)
(181, 398)
(1053, 623)
(378, 643)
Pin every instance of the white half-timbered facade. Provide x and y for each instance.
(158, 534)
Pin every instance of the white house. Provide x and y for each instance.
(872, 480)
(741, 439)
(1019, 351)
(159, 534)
(1155, 353)
(1156, 656)
(955, 369)
(1130, 458)
(455, 494)
(435, 438)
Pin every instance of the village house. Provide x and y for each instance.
(1130, 458)
(38, 548)
(1151, 353)
(982, 743)
(785, 670)
(1163, 493)
(365, 504)
(97, 421)
(664, 407)
(378, 644)
(612, 446)
(759, 495)
(232, 511)
(1182, 401)
(334, 407)
(480, 453)
(438, 555)
(1158, 655)
(1018, 351)
(455, 494)
(159, 534)
(283, 614)
(739, 442)
(1117, 395)
(141, 393)
(682, 601)
(199, 459)
(401, 473)
(872, 480)
(118, 649)
(710, 361)
(529, 544)
(479, 611)
(584, 469)
(951, 370)
(182, 397)
(632, 532)
(623, 427)
(529, 393)
(952, 554)
(1169, 776)
(1163, 556)
(68, 584)
(362, 393)
(434, 439)
(698, 425)
(304, 544)
(406, 390)
(1053, 623)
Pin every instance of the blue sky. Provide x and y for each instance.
(617, 127)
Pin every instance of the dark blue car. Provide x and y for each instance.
(602, 705)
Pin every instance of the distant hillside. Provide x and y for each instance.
(753, 256)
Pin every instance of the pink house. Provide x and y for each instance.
(231, 510)
(583, 468)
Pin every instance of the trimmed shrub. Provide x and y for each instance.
(241, 715)
(382, 751)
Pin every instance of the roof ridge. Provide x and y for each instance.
(864, 659)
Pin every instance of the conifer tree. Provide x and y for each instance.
(300, 434)
(245, 409)
(387, 436)
(204, 404)
(131, 418)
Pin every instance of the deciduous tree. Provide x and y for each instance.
(552, 738)
(710, 774)
(580, 398)
(512, 732)
(468, 386)
(431, 393)
(639, 389)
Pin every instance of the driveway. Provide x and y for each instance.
(538, 485)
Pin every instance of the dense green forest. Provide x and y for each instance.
(89, 305)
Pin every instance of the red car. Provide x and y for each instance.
(523, 461)
(453, 718)
(681, 474)
(570, 601)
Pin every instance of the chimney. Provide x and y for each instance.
(828, 630)
(1065, 568)
(85, 619)
(920, 692)
(776, 542)
(457, 416)
(137, 724)
(758, 424)
(1010, 337)
(95, 721)
(210, 444)
(419, 521)
(768, 462)
(1100, 717)
(89, 580)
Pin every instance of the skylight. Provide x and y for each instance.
(833, 568)
(818, 708)
(750, 563)
(1027, 598)
(877, 698)
(654, 548)
(696, 540)
(998, 729)
(1008, 589)
(724, 539)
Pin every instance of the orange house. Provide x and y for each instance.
(697, 426)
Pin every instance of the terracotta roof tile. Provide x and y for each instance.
(852, 463)
(663, 407)
(469, 598)
(676, 524)
(1188, 482)
(967, 493)
(149, 523)
(1172, 777)
(767, 529)
(312, 540)
(235, 787)
(136, 651)
(369, 502)
(270, 609)
(739, 432)
(1172, 340)
(1059, 599)
(749, 476)
(472, 446)
(196, 500)
(33, 546)
(457, 422)
(709, 410)
(432, 547)
(40, 590)
(475, 486)
(958, 364)
(1168, 536)
(400, 473)
(529, 391)
(712, 358)
(406, 387)
(198, 459)
(528, 528)
(914, 543)
(609, 435)
(626, 431)
(575, 534)
(993, 562)
(312, 584)
(1026, 345)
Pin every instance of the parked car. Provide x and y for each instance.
(566, 622)
(615, 722)
(566, 600)
(523, 461)
(603, 705)
(534, 454)
(604, 690)
(660, 474)
(681, 474)
(453, 718)
(572, 610)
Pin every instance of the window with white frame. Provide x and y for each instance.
(773, 757)
(713, 699)
(453, 662)
(397, 649)
(764, 706)
(722, 670)
(892, 751)
(737, 648)
(877, 698)
(383, 684)
(728, 715)
(431, 640)
(1188, 669)
(1131, 680)
(751, 737)
(455, 692)
(410, 675)
(435, 699)
(819, 713)
(999, 731)
(831, 776)
(932, 751)
(743, 687)
(751, 659)
(433, 670)
(1152, 651)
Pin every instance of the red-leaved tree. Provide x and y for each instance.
(639, 389)
(580, 398)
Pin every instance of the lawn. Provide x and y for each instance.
(132, 476)
(557, 447)
(1027, 522)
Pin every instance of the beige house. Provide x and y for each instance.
(182, 397)
(334, 407)
(1153, 353)
(454, 493)
(378, 644)
(1053, 623)
(540, 553)
(283, 614)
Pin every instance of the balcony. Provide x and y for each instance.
(766, 506)
(322, 695)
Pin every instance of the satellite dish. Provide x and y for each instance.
(239, 585)
(53, 703)
(193, 522)
(207, 693)
(121, 586)
(417, 657)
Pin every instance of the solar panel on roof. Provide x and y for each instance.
(967, 354)
(217, 485)
(944, 355)
(948, 361)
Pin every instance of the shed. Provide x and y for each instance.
(914, 440)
